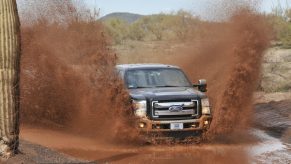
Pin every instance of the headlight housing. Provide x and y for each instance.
(140, 107)
(206, 108)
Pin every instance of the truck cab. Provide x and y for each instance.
(165, 101)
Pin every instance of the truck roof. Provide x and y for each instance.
(144, 65)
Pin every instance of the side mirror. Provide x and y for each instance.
(202, 85)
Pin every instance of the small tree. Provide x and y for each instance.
(117, 29)
(137, 31)
(280, 21)
(9, 77)
(181, 23)
(155, 24)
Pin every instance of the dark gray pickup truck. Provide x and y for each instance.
(164, 100)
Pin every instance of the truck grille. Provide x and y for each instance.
(164, 110)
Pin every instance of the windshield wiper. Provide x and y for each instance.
(136, 87)
(167, 86)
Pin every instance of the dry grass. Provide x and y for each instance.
(147, 52)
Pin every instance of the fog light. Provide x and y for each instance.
(141, 125)
(193, 126)
(206, 122)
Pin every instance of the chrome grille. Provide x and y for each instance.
(175, 110)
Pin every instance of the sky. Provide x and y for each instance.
(147, 7)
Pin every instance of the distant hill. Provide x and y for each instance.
(128, 17)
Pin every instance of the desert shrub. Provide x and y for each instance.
(117, 29)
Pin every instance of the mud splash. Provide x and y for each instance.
(68, 83)
(68, 77)
(228, 54)
(235, 104)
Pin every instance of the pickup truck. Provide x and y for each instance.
(165, 101)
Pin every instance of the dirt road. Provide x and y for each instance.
(272, 144)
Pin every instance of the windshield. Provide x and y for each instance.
(162, 77)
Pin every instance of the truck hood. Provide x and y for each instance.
(166, 93)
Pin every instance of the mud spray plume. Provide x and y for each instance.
(229, 56)
(68, 80)
(68, 77)
(233, 108)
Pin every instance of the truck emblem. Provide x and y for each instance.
(176, 108)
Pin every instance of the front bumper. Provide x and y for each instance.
(150, 126)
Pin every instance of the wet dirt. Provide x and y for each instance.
(273, 118)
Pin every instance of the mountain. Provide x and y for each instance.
(128, 17)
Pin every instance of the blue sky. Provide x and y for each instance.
(147, 7)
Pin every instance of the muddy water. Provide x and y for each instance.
(91, 149)
(272, 144)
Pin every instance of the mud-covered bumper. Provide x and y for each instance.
(191, 125)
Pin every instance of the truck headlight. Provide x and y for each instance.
(140, 107)
(206, 108)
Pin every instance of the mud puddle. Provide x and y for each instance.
(92, 150)
(268, 149)
(273, 120)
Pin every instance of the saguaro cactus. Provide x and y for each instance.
(9, 77)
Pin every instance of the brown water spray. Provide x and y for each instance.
(234, 106)
(68, 77)
(228, 54)
(68, 80)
